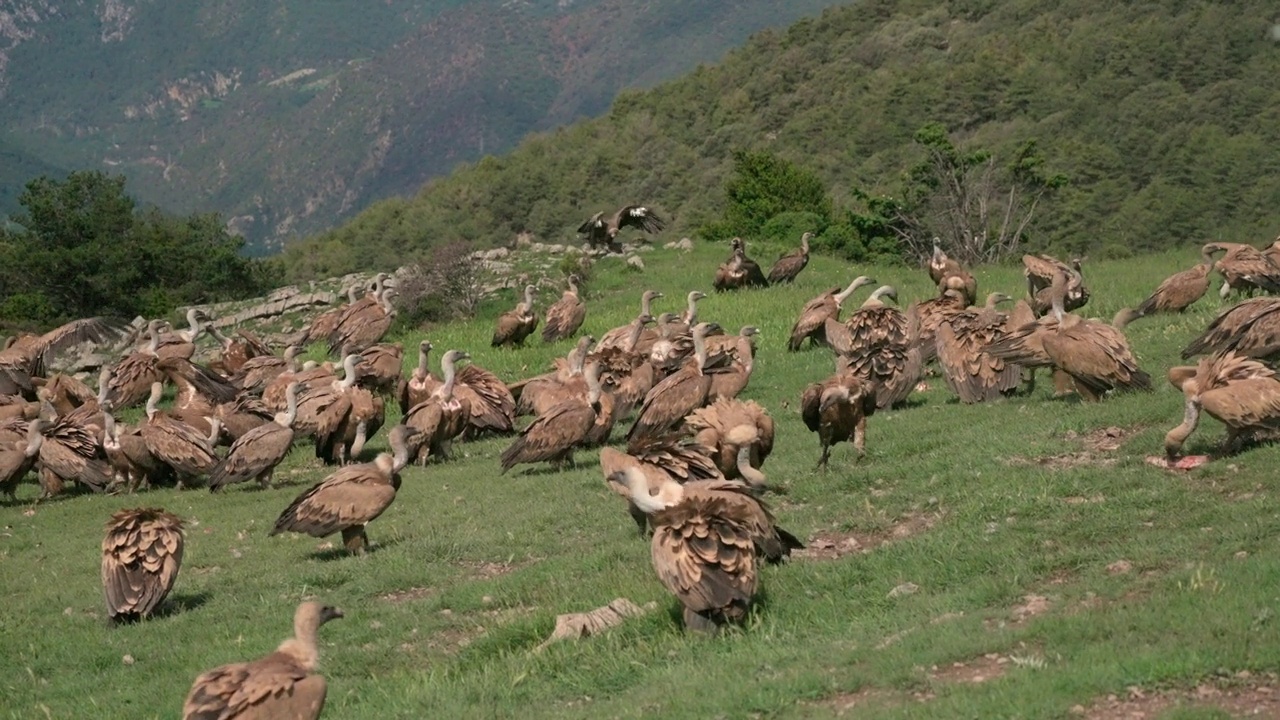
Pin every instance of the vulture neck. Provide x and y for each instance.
(449, 366)
(153, 401)
(691, 314)
(193, 319)
(215, 429)
(110, 435)
(578, 359)
(348, 373)
(400, 450)
(35, 438)
(421, 371)
(593, 386)
(302, 646)
(351, 295)
(746, 353)
(528, 299)
(153, 339)
(1206, 258)
(700, 350)
(223, 340)
(572, 292)
(754, 477)
(104, 380)
(646, 304)
(804, 243)
(290, 414)
(1174, 439)
(384, 299)
(844, 294)
(637, 328)
(1058, 298)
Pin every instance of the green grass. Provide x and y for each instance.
(479, 564)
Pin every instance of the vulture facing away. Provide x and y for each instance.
(971, 372)
(141, 555)
(514, 326)
(1251, 328)
(565, 316)
(789, 265)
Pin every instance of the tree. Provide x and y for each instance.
(979, 209)
(82, 248)
(762, 187)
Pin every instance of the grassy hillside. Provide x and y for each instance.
(1162, 116)
(1052, 566)
(286, 117)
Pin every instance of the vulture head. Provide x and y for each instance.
(632, 483)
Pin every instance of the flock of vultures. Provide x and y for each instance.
(691, 470)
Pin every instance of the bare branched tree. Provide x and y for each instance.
(448, 285)
(978, 209)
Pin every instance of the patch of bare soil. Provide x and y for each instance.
(1064, 461)
(1032, 606)
(835, 545)
(977, 670)
(1246, 696)
(486, 570)
(413, 593)
(870, 696)
(1095, 446)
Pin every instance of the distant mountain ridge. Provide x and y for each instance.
(287, 117)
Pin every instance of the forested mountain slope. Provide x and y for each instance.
(1163, 117)
(290, 115)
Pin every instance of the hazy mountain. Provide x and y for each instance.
(286, 116)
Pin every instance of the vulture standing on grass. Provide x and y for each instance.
(877, 343)
(17, 457)
(441, 417)
(539, 394)
(971, 372)
(141, 555)
(670, 458)
(927, 315)
(280, 685)
(679, 394)
(739, 271)
(237, 351)
(1040, 270)
(565, 316)
(132, 376)
(713, 427)
(1251, 328)
(733, 378)
(789, 266)
(175, 443)
(350, 498)
(70, 453)
(326, 322)
(622, 336)
(707, 535)
(604, 232)
(1238, 391)
(359, 330)
(1096, 355)
(1180, 290)
(257, 453)
(492, 407)
(555, 434)
(815, 313)
(1244, 268)
(514, 326)
(420, 383)
(127, 452)
(381, 365)
(253, 377)
(627, 376)
(948, 274)
(837, 409)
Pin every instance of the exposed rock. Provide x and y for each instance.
(683, 245)
(636, 262)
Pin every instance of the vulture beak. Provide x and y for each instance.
(328, 613)
(620, 479)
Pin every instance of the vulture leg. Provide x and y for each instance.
(265, 478)
(1225, 291)
(699, 623)
(860, 436)
(642, 520)
(826, 455)
(354, 539)
(1063, 384)
(50, 484)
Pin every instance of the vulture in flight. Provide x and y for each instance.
(600, 231)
